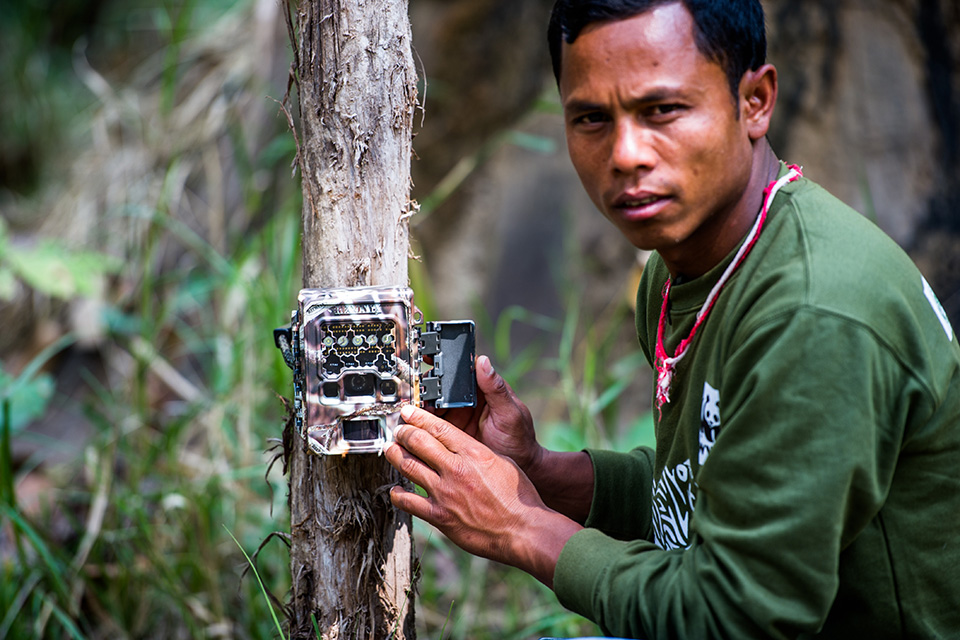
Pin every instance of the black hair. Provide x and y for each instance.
(728, 32)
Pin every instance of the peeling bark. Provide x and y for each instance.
(351, 551)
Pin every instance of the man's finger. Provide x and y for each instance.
(409, 465)
(452, 439)
(412, 503)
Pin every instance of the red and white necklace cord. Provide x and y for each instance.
(666, 365)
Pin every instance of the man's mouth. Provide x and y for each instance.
(640, 206)
(642, 202)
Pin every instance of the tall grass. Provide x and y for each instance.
(133, 542)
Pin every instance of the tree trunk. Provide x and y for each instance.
(351, 552)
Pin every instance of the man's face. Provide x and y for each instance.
(653, 132)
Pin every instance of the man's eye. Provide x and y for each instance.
(664, 109)
(590, 118)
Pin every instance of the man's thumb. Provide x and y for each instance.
(495, 389)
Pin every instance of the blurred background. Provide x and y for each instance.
(149, 244)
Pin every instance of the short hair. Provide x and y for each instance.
(728, 32)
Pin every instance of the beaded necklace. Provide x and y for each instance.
(666, 365)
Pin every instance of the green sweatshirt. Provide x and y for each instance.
(806, 480)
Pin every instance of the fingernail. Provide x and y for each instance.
(406, 411)
(486, 366)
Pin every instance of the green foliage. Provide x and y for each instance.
(157, 560)
(51, 268)
(463, 597)
(147, 553)
(26, 396)
(27, 400)
(592, 380)
(42, 97)
(465, 167)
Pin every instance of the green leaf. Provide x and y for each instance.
(28, 398)
(42, 268)
(30, 392)
(88, 270)
(53, 270)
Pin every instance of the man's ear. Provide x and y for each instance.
(758, 96)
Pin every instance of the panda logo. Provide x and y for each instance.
(709, 421)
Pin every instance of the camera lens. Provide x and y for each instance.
(360, 384)
(388, 388)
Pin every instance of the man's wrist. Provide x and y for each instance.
(564, 480)
(535, 465)
(538, 548)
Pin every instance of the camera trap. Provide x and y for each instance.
(359, 354)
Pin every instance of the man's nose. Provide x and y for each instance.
(632, 148)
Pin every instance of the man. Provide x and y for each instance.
(806, 480)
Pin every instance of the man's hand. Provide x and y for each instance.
(499, 420)
(564, 480)
(482, 501)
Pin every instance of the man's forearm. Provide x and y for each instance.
(564, 481)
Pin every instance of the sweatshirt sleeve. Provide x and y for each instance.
(807, 450)
(622, 493)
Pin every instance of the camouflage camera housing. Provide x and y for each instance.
(358, 356)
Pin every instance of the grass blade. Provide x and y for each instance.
(263, 589)
(7, 494)
(54, 568)
(65, 621)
